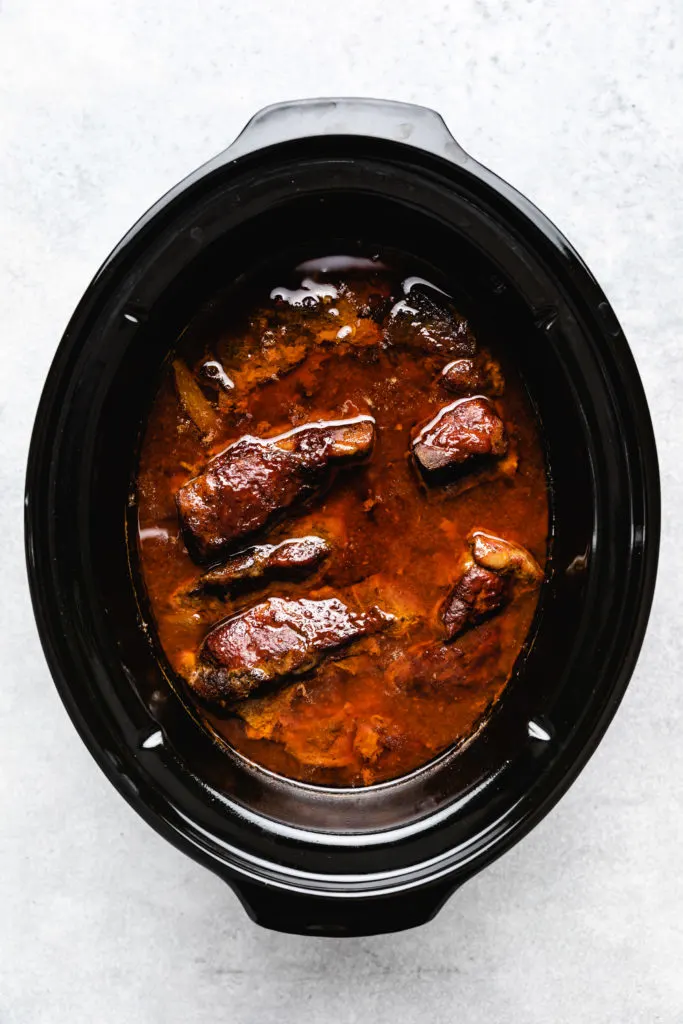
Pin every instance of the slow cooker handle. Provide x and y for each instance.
(408, 123)
(301, 914)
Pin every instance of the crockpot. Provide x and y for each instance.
(326, 176)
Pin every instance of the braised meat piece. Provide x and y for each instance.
(255, 479)
(425, 668)
(427, 321)
(445, 668)
(477, 594)
(487, 582)
(290, 559)
(479, 375)
(504, 556)
(371, 738)
(466, 429)
(274, 641)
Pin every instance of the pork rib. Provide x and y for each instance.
(255, 479)
(467, 429)
(291, 559)
(495, 570)
(274, 641)
(477, 595)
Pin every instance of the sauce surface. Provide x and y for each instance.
(344, 339)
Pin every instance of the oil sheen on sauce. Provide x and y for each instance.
(333, 339)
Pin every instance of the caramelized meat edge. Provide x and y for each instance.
(504, 556)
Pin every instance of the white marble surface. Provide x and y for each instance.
(105, 105)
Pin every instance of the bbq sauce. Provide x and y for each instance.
(330, 340)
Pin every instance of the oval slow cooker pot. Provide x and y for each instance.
(329, 176)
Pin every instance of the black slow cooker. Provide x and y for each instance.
(325, 176)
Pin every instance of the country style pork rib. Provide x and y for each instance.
(253, 480)
(487, 580)
(476, 595)
(467, 429)
(274, 641)
(290, 559)
(479, 374)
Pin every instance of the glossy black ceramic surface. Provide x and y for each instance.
(318, 177)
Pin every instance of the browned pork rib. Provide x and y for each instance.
(466, 429)
(274, 641)
(477, 594)
(426, 319)
(255, 479)
(496, 566)
(289, 559)
(479, 375)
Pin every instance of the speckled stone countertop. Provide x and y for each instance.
(102, 108)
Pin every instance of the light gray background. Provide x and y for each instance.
(103, 106)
